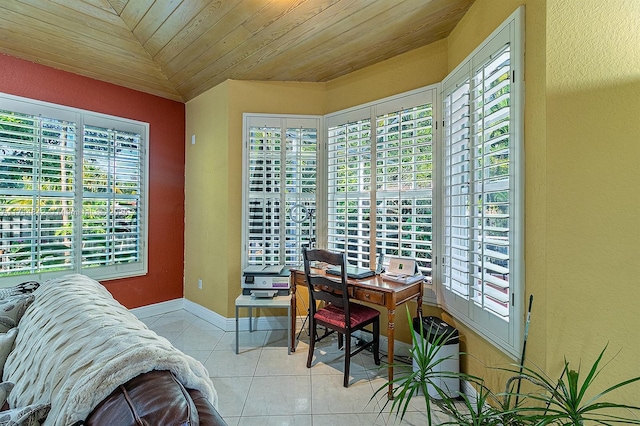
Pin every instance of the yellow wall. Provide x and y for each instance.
(593, 183)
(207, 197)
(582, 227)
(417, 68)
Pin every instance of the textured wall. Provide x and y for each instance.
(593, 203)
(582, 76)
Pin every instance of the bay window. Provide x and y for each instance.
(435, 174)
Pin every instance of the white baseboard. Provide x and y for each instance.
(226, 324)
(206, 314)
(158, 308)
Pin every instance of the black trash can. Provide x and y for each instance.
(435, 330)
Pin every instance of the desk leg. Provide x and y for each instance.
(391, 326)
(292, 324)
(289, 334)
(236, 329)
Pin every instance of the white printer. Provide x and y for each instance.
(266, 281)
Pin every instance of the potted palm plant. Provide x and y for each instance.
(568, 401)
(424, 377)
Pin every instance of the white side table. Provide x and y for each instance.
(246, 301)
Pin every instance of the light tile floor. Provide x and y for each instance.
(262, 385)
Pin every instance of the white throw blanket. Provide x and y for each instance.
(76, 344)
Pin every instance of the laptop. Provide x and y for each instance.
(352, 272)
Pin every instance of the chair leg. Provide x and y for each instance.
(312, 340)
(376, 341)
(347, 359)
(340, 341)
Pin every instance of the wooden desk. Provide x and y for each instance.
(372, 290)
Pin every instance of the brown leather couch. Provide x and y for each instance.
(154, 399)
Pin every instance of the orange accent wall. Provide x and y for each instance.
(166, 119)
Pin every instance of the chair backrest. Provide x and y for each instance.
(326, 288)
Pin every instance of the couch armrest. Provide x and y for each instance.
(153, 398)
(209, 416)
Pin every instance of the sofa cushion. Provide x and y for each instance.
(154, 398)
(12, 309)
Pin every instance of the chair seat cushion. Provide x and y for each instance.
(333, 315)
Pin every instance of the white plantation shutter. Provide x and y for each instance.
(349, 187)
(37, 173)
(380, 179)
(280, 187)
(71, 193)
(457, 178)
(112, 183)
(404, 200)
(265, 171)
(300, 183)
(483, 261)
(490, 204)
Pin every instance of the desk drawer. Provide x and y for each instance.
(369, 296)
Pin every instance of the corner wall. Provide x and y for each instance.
(214, 181)
(214, 163)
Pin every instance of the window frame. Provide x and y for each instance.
(372, 112)
(81, 118)
(314, 223)
(507, 337)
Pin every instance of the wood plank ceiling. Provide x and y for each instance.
(178, 49)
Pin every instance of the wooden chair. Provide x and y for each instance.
(338, 314)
